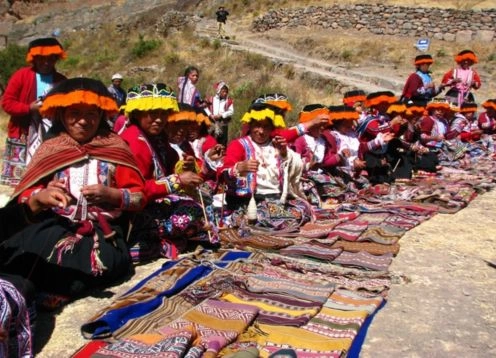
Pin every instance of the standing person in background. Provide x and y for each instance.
(222, 15)
(187, 91)
(116, 90)
(22, 100)
(419, 86)
(462, 79)
(220, 110)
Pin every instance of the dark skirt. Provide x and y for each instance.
(56, 259)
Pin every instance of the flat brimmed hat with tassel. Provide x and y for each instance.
(79, 90)
(46, 46)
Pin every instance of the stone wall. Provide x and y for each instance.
(442, 24)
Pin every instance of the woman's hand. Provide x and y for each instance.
(247, 166)
(47, 198)
(189, 180)
(216, 152)
(189, 163)
(101, 194)
(281, 144)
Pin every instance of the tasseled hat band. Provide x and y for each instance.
(396, 108)
(466, 55)
(468, 107)
(78, 91)
(438, 104)
(201, 117)
(352, 97)
(150, 97)
(45, 47)
(423, 59)
(377, 98)
(306, 116)
(182, 116)
(264, 113)
(490, 103)
(339, 113)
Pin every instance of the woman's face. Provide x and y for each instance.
(81, 121)
(193, 76)
(176, 131)
(260, 130)
(45, 65)
(193, 131)
(424, 67)
(152, 122)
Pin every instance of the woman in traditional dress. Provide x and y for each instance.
(462, 79)
(262, 168)
(22, 100)
(160, 230)
(70, 248)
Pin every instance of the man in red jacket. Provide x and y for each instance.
(22, 99)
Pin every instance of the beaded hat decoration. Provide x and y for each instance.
(354, 96)
(423, 59)
(46, 46)
(377, 98)
(78, 90)
(466, 55)
(149, 97)
(468, 107)
(262, 111)
(490, 103)
(185, 113)
(343, 112)
(313, 111)
(275, 99)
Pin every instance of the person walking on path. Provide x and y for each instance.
(222, 15)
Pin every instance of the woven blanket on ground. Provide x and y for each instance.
(167, 344)
(372, 248)
(382, 234)
(259, 241)
(346, 300)
(271, 338)
(364, 260)
(312, 249)
(350, 231)
(148, 294)
(214, 324)
(274, 308)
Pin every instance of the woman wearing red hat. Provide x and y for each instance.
(22, 101)
(419, 86)
(462, 79)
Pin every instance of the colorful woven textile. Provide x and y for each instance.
(345, 300)
(259, 241)
(364, 260)
(313, 249)
(382, 234)
(350, 231)
(167, 344)
(214, 324)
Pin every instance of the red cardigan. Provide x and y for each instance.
(331, 156)
(19, 94)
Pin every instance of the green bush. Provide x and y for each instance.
(12, 58)
(143, 47)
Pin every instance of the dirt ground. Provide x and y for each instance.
(442, 302)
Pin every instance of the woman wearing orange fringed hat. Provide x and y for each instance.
(419, 87)
(22, 100)
(67, 249)
(463, 126)
(462, 79)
